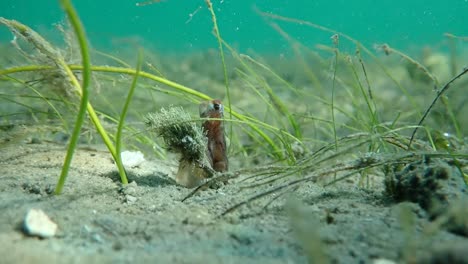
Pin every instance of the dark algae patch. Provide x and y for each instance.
(432, 183)
(437, 187)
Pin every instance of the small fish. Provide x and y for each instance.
(214, 130)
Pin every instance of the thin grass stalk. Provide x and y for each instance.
(388, 50)
(453, 53)
(262, 97)
(439, 94)
(174, 85)
(221, 53)
(361, 61)
(296, 45)
(134, 132)
(78, 27)
(46, 99)
(118, 135)
(23, 105)
(453, 118)
(108, 56)
(351, 167)
(44, 47)
(277, 102)
(335, 40)
(356, 42)
(366, 96)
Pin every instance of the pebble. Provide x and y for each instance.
(130, 199)
(383, 261)
(37, 223)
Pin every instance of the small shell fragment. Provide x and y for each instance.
(132, 159)
(37, 223)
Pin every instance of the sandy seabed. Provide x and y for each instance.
(146, 222)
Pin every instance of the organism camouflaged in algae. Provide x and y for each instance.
(189, 173)
(202, 149)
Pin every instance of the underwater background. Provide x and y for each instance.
(186, 26)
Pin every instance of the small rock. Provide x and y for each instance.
(130, 189)
(97, 238)
(117, 246)
(383, 261)
(130, 199)
(37, 223)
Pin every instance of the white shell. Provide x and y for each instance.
(132, 159)
(37, 223)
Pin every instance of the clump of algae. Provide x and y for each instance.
(183, 136)
(43, 53)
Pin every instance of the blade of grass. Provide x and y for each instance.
(118, 136)
(46, 99)
(332, 106)
(46, 50)
(78, 27)
(25, 105)
(277, 102)
(181, 88)
(439, 94)
(300, 57)
(348, 37)
(221, 53)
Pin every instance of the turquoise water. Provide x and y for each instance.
(186, 25)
